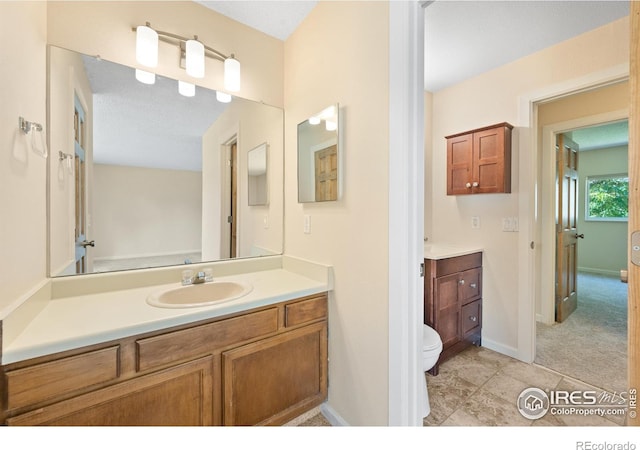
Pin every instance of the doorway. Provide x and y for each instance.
(581, 328)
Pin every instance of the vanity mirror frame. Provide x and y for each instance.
(319, 153)
(268, 220)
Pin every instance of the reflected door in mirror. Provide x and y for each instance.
(326, 164)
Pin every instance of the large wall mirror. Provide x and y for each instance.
(319, 156)
(141, 176)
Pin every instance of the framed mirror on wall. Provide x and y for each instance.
(155, 189)
(319, 157)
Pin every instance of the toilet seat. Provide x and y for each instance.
(430, 340)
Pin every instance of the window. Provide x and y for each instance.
(607, 198)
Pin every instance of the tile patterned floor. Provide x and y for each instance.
(479, 387)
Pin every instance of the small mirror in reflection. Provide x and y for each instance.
(318, 153)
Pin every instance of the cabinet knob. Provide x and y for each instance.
(468, 185)
(461, 282)
(473, 318)
(473, 285)
(475, 184)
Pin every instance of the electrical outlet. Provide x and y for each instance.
(507, 224)
(475, 222)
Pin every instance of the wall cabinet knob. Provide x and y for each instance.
(475, 184)
(468, 185)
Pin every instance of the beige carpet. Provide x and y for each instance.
(591, 345)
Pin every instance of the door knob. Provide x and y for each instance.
(581, 236)
(86, 244)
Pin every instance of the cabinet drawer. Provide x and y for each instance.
(193, 342)
(448, 266)
(471, 317)
(305, 311)
(40, 382)
(470, 285)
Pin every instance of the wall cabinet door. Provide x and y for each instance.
(479, 161)
(270, 382)
(179, 396)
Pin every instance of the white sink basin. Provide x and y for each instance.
(195, 295)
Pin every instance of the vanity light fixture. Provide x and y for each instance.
(223, 97)
(192, 54)
(146, 46)
(186, 89)
(145, 77)
(194, 50)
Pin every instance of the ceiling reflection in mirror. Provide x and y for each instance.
(142, 176)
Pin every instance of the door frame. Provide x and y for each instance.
(547, 265)
(530, 171)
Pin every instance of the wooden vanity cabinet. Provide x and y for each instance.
(259, 367)
(479, 161)
(453, 302)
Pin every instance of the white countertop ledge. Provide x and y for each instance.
(443, 251)
(78, 321)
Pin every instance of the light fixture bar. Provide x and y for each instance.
(171, 38)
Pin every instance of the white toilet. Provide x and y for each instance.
(431, 348)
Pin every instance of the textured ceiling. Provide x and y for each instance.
(601, 136)
(147, 125)
(467, 38)
(275, 18)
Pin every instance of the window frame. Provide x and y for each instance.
(589, 178)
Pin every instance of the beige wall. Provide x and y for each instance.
(491, 98)
(144, 212)
(251, 124)
(604, 248)
(104, 28)
(23, 33)
(340, 55)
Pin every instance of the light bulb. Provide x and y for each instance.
(145, 77)
(231, 74)
(315, 120)
(146, 46)
(186, 89)
(223, 97)
(331, 125)
(195, 58)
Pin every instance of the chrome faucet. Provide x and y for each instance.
(200, 277)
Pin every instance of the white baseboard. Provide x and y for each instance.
(609, 273)
(504, 349)
(332, 416)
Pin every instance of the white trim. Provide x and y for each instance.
(500, 348)
(406, 211)
(546, 284)
(527, 205)
(332, 416)
(607, 273)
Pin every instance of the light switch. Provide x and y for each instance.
(475, 222)
(307, 224)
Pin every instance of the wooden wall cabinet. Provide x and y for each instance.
(260, 367)
(453, 302)
(479, 161)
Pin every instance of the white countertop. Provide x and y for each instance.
(72, 322)
(442, 251)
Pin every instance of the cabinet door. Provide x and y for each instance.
(447, 309)
(491, 174)
(459, 164)
(181, 395)
(272, 381)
